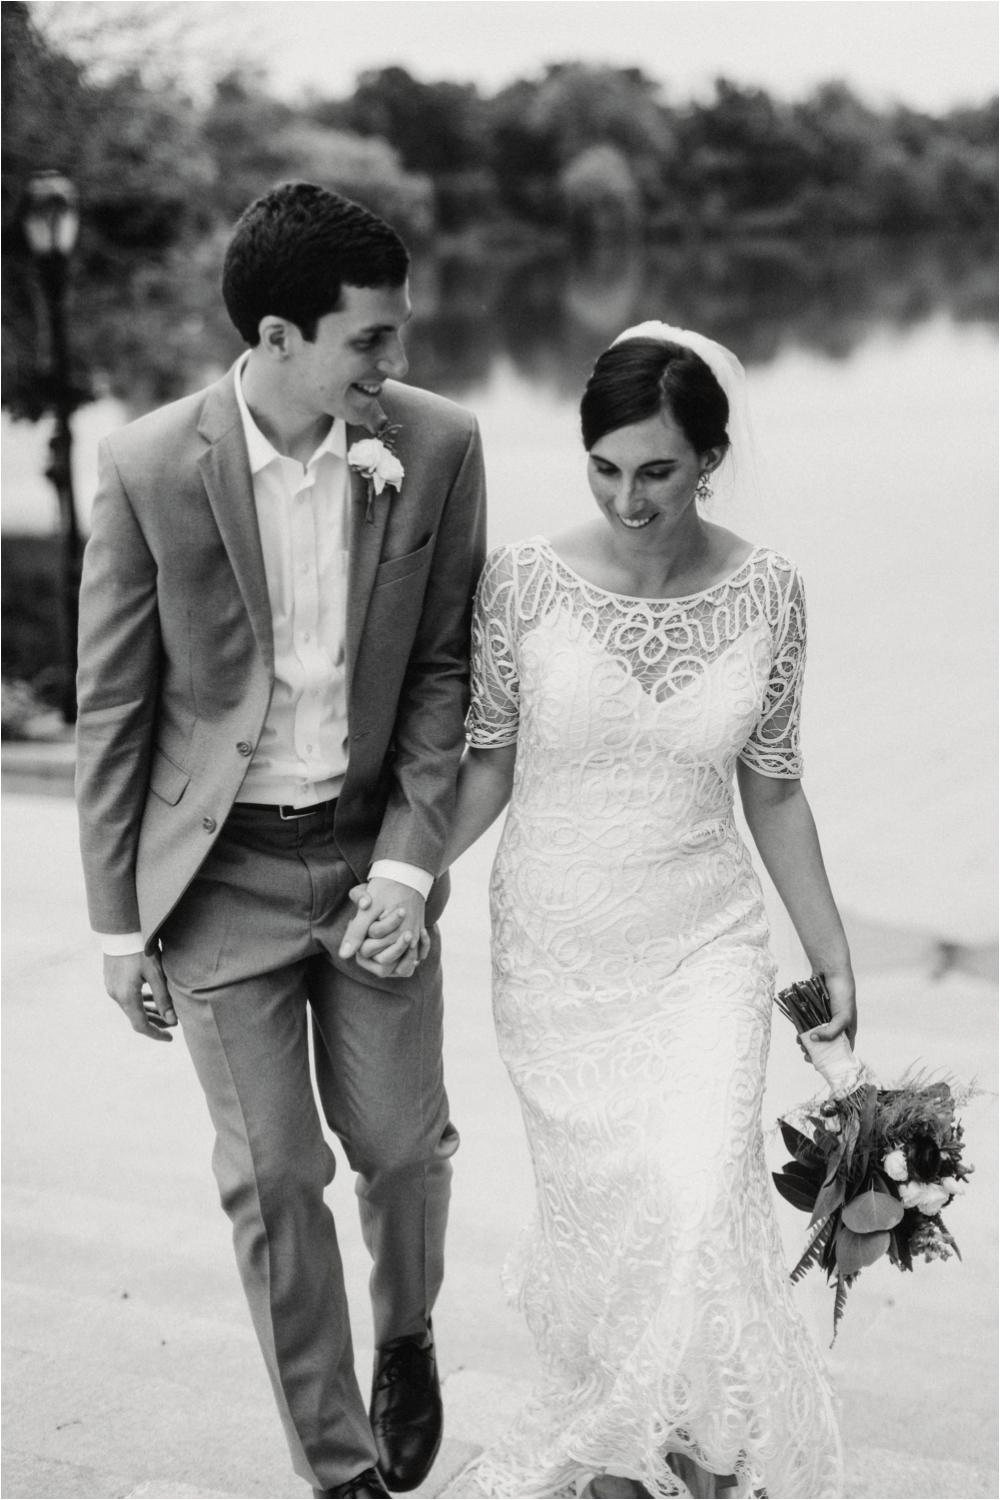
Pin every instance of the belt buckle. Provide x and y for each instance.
(287, 813)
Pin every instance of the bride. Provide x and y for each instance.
(621, 672)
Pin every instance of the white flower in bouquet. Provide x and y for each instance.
(894, 1166)
(952, 1186)
(933, 1198)
(377, 463)
(929, 1197)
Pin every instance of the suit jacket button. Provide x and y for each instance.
(244, 748)
(208, 824)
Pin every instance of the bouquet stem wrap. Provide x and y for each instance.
(836, 1062)
(807, 1005)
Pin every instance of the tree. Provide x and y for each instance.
(243, 129)
(437, 128)
(256, 141)
(363, 168)
(601, 194)
(537, 128)
(739, 153)
(144, 180)
(438, 131)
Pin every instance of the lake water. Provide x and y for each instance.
(874, 400)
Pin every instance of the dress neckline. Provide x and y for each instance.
(645, 598)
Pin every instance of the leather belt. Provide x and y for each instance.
(286, 812)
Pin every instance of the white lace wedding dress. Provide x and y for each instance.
(632, 993)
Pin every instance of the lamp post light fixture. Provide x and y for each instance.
(51, 222)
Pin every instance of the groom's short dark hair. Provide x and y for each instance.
(295, 247)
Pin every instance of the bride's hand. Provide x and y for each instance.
(843, 1009)
(383, 932)
(377, 943)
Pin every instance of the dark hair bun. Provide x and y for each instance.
(639, 377)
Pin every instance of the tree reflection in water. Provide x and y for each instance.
(552, 314)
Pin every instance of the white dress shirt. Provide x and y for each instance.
(301, 756)
(302, 513)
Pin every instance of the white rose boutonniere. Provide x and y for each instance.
(375, 460)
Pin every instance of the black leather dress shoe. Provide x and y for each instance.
(362, 1485)
(406, 1412)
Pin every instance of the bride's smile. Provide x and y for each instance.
(648, 472)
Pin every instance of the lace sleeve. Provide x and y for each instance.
(773, 747)
(495, 707)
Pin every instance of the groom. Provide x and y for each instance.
(273, 680)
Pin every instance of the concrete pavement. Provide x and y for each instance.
(130, 1362)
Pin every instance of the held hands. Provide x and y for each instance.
(386, 935)
(135, 982)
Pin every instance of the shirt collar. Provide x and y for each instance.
(261, 452)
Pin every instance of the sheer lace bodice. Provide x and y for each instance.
(754, 620)
(632, 995)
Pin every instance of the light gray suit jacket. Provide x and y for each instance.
(177, 656)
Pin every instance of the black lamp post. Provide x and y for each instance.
(51, 221)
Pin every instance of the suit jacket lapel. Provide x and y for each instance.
(225, 470)
(365, 551)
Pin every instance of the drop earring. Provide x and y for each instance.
(703, 489)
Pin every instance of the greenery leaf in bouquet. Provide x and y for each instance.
(916, 1108)
(868, 1099)
(828, 1260)
(811, 1175)
(835, 1162)
(811, 1153)
(872, 1211)
(852, 1130)
(855, 1251)
(946, 1235)
(839, 1302)
(901, 1240)
(797, 1185)
(814, 1250)
(830, 1198)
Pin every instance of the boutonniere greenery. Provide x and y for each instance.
(375, 460)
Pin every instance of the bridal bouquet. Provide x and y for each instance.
(873, 1167)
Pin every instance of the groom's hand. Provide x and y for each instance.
(126, 978)
(386, 933)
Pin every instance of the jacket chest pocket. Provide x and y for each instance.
(395, 569)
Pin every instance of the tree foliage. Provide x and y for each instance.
(144, 176)
(579, 151)
(738, 161)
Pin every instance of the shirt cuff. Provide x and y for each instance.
(411, 875)
(118, 944)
